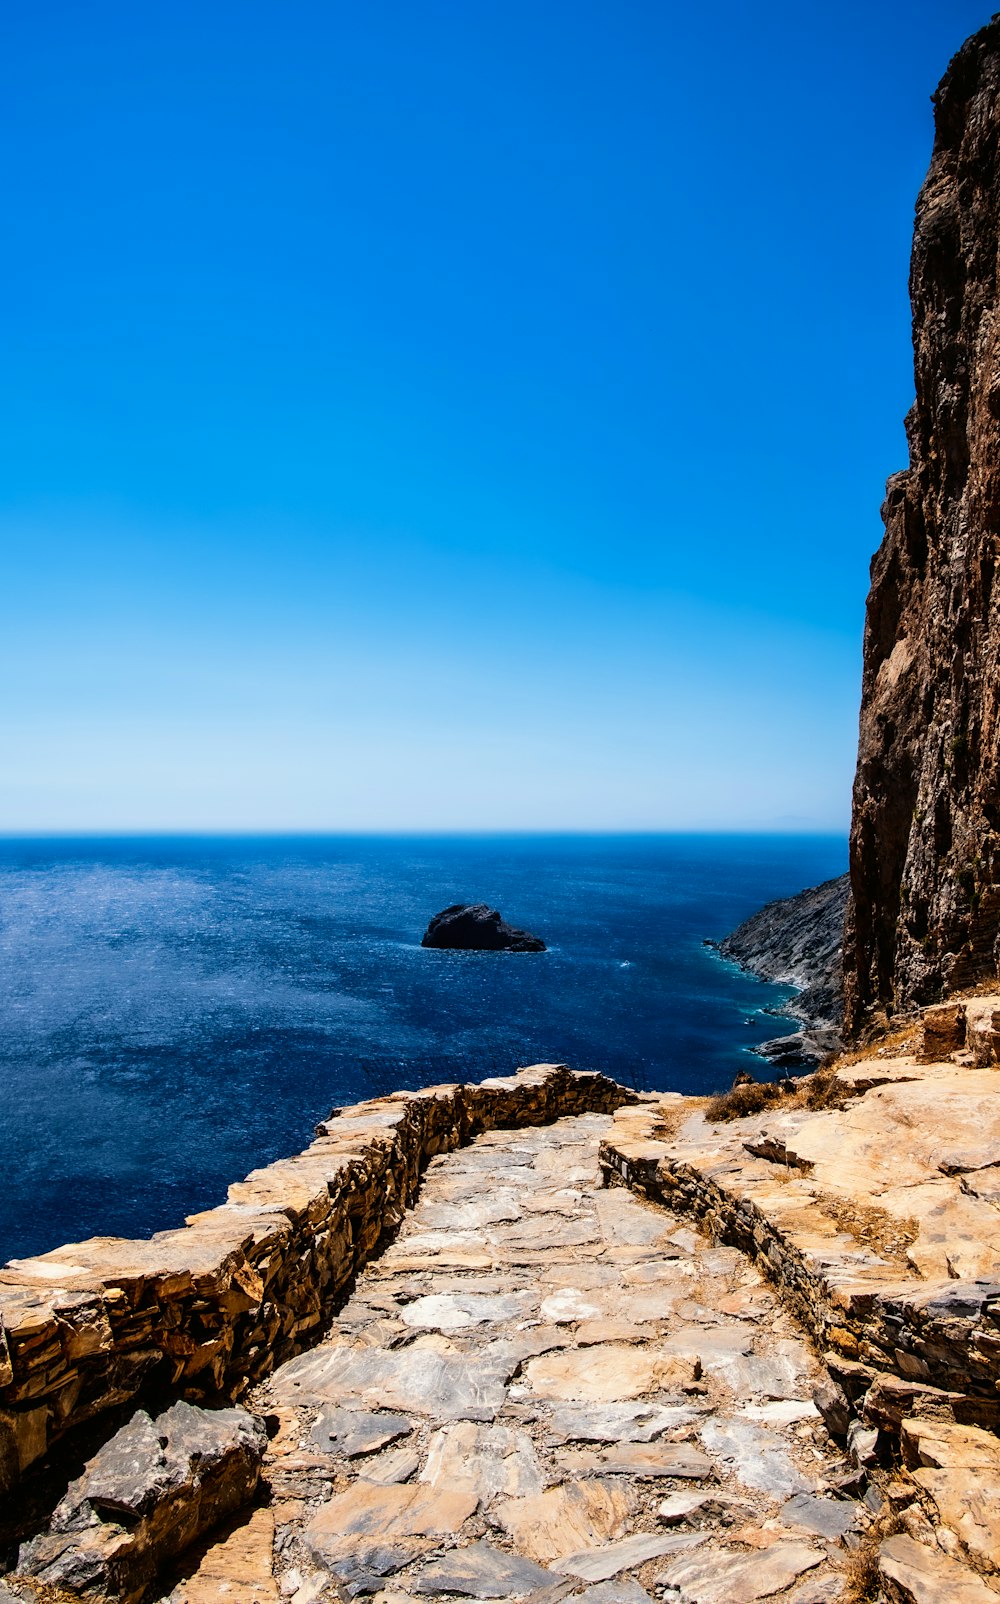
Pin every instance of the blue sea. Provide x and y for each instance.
(176, 1011)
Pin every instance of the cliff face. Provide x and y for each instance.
(925, 837)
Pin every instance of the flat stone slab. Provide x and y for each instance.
(596, 1565)
(481, 1571)
(484, 1460)
(831, 1518)
(724, 1576)
(367, 1510)
(620, 1592)
(352, 1432)
(759, 1456)
(608, 1373)
(448, 1386)
(618, 1422)
(655, 1461)
(579, 1514)
(454, 1311)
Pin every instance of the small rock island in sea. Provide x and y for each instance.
(473, 927)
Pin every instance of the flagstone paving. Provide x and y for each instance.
(545, 1390)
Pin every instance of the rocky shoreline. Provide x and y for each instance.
(798, 941)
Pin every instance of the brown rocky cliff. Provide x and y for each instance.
(925, 836)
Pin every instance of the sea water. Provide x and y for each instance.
(177, 1011)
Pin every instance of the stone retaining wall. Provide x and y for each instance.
(205, 1311)
(945, 1334)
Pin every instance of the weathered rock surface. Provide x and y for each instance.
(884, 1239)
(798, 941)
(145, 1497)
(914, 1573)
(474, 927)
(925, 836)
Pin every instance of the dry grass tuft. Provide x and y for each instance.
(823, 1090)
(888, 1235)
(861, 1572)
(819, 1091)
(750, 1098)
(671, 1117)
(892, 1044)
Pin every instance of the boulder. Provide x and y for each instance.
(146, 1495)
(473, 927)
(943, 1032)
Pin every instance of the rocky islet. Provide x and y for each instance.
(475, 927)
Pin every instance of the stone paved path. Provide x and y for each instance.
(545, 1390)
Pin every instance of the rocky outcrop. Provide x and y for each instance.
(146, 1496)
(798, 941)
(205, 1311)
(925, 837)
(881, 1235)
(473, 927)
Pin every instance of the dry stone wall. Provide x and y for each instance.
(943, 1334)
(205, 1311)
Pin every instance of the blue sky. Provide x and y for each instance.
(449, 415)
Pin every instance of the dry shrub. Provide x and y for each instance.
(750, 1098)
(819, 1091)
(823, 1090)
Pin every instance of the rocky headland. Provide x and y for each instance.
(798, 941)
(474, 927)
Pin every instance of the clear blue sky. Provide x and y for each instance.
(455, 414)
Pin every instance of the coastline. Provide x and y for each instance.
(798, 941)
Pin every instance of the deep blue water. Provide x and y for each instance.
(175, 1011)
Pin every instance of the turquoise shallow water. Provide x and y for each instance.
(174, 1012)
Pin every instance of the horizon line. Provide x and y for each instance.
(148, 833)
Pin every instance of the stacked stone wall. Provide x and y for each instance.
(941, 1334)
(205, 1311)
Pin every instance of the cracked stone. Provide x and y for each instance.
(482, 1571)
(353, 1432)
(721, 1576)
(565, 1519)
(596, 1565)
(618, 1422)
(485, 1460)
